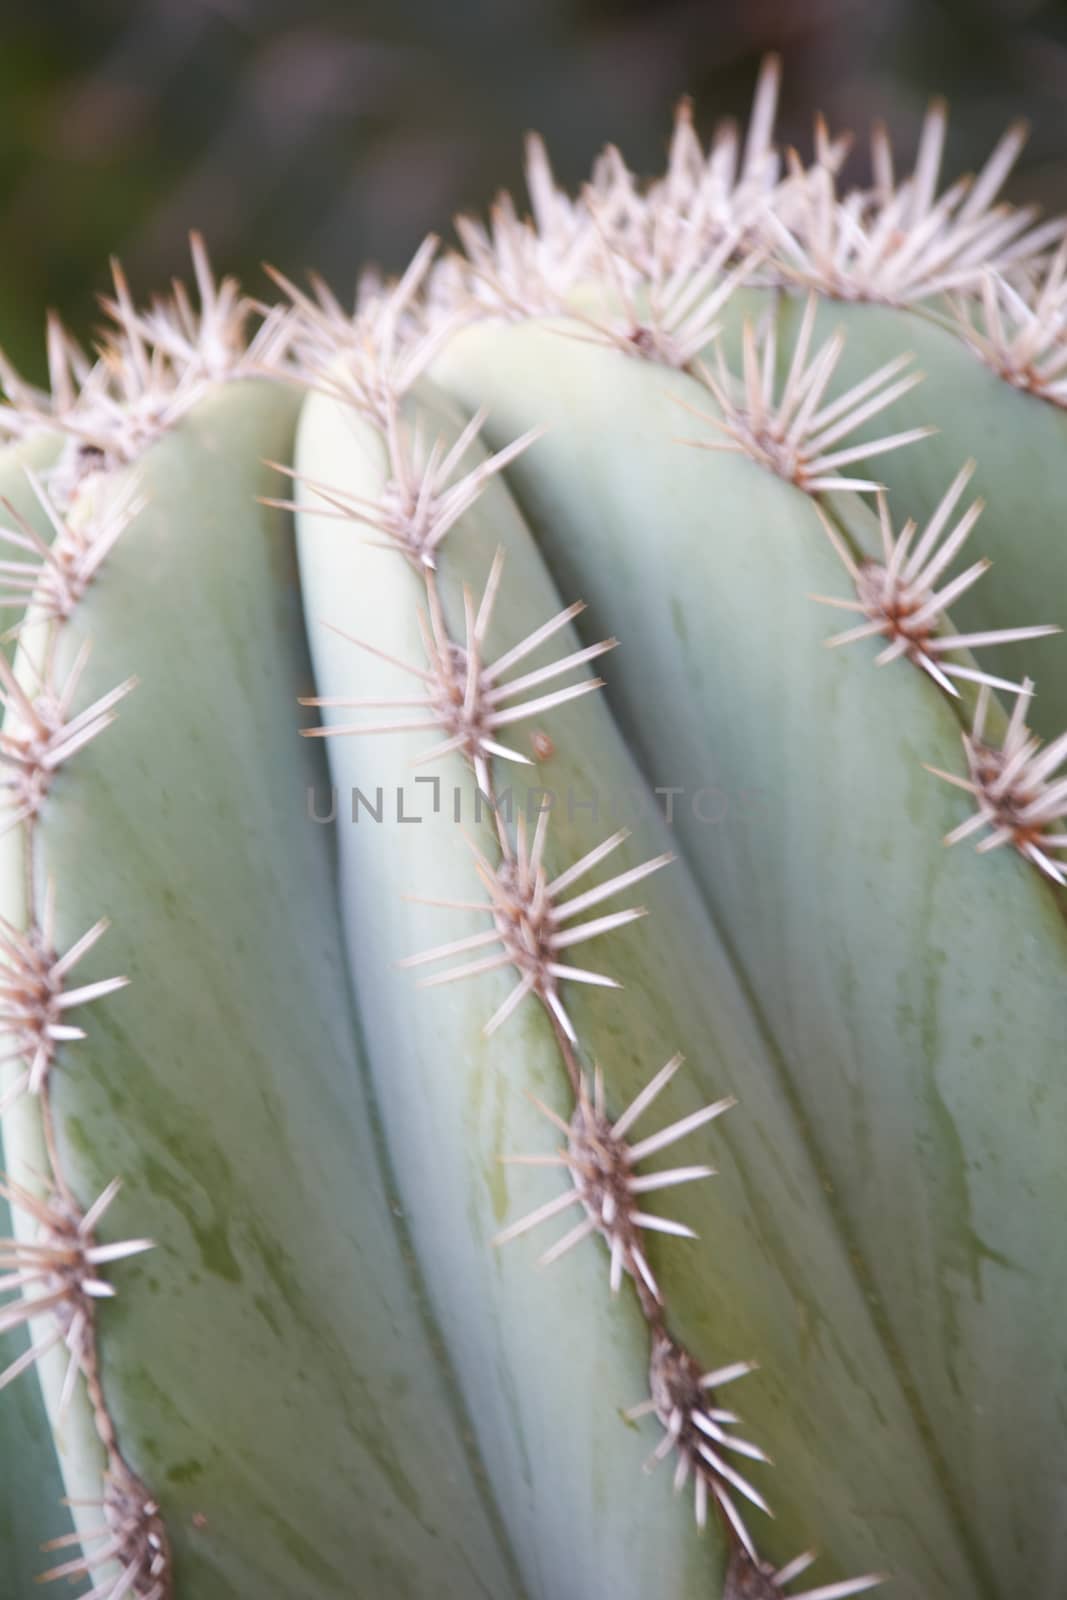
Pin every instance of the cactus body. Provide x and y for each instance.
(674, 962)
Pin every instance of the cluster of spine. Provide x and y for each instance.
(671, 250)
(148, 370)
(669, 256)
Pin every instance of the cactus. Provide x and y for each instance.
(307, 1062)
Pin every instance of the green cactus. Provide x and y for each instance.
(306, 1056)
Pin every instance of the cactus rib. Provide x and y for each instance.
(525, 904)
(153, 371)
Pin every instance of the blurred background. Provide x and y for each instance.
(333, 132)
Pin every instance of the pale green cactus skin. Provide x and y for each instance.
(330, 1376)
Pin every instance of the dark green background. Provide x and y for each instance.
(314, 132)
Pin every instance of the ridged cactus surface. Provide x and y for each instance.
(533, 917)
